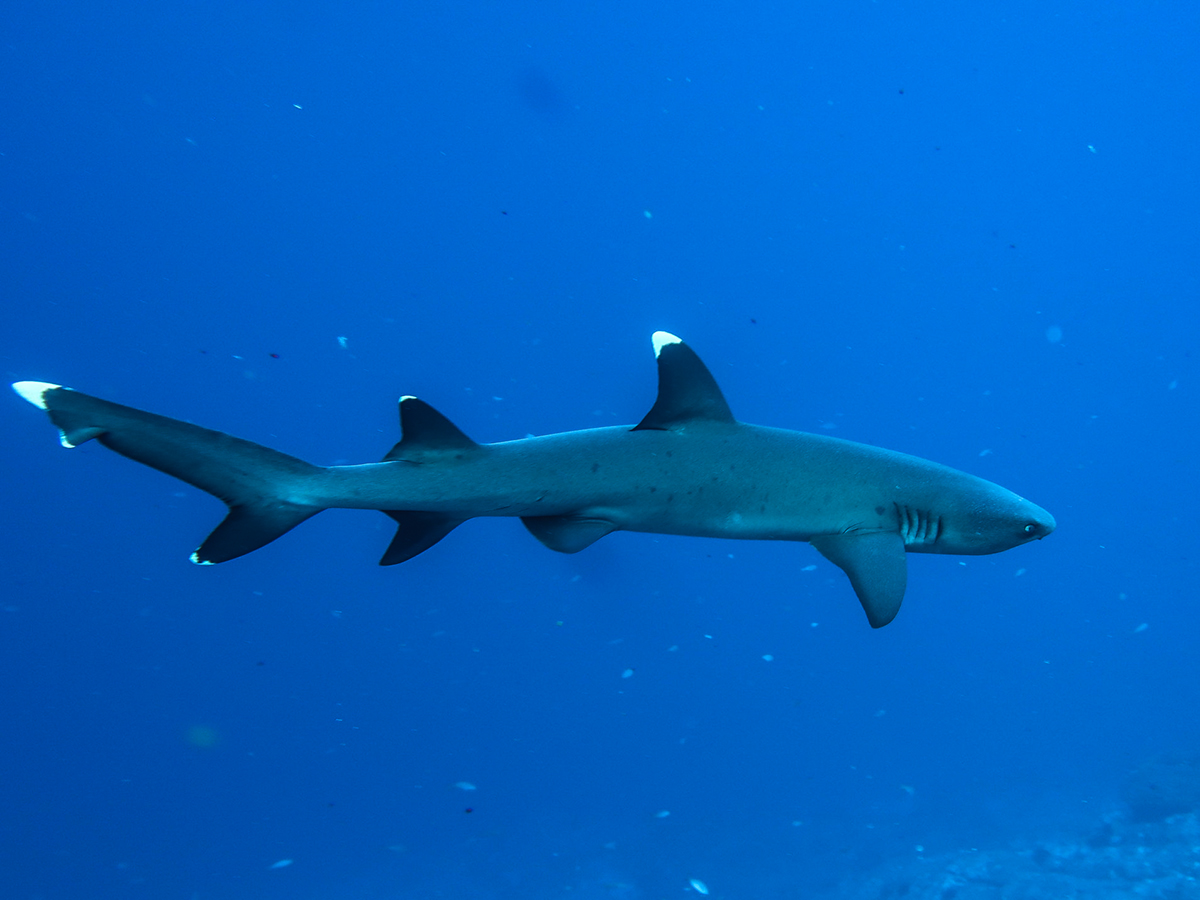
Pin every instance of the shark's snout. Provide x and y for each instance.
(1041, 524)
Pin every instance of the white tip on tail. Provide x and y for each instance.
(661, 339)
(34, 391)
(195, 557)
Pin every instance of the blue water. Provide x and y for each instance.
(963, 231)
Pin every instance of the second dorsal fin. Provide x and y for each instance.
(687, 392)
(424, 430)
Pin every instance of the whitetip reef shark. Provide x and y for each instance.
(688, 468)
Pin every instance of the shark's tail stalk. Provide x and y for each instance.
(262, 487)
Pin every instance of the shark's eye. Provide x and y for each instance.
(1031, 529)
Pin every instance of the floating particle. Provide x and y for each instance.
(628, 673)
(662, 814)
(768, 657)
(464, 785)
(282, 864)
(1054, 334)
(203, 736)
(698, 886)
(342, 341)
(1141, 628)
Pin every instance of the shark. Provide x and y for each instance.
(687, 468)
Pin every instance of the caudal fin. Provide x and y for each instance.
(262, 487)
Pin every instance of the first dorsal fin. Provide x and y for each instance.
(425, 430)
(687, 392)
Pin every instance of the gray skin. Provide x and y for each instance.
(687, 468)
(712, 479)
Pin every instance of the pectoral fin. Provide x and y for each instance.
(876, 567)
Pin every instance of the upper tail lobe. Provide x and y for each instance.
(262, 487)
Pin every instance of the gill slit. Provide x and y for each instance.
(918, 526)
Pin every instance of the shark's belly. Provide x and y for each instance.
(739, 511)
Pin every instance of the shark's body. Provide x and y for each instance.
(687, 468)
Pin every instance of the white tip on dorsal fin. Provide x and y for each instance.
(425, 430)
(661, 339)
(35, 391)
(687, 392)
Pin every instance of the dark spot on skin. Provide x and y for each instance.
(668, 454)
(653, 489)
(595, 467)
(879, 510)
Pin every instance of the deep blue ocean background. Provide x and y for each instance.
(962, 231)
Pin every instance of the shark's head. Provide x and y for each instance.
(992, 520)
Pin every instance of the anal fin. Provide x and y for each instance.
(416, 532)
(876, 566)
(568, 534)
